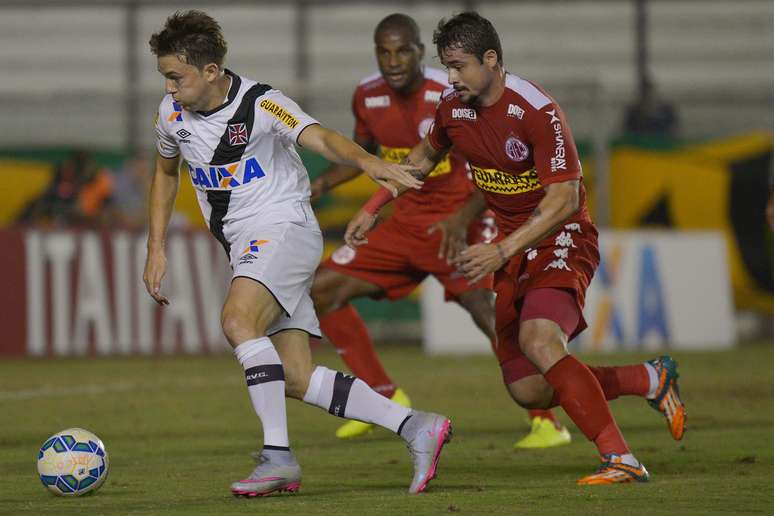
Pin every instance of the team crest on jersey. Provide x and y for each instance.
(343, 255)
(237, 134)
(425, 126)
(516, 149)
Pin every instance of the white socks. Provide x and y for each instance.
(266, 385)
(653, 379)
(349, 397)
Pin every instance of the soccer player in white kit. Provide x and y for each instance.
(237, 138)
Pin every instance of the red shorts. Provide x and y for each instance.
(567, 261)
(398, 257)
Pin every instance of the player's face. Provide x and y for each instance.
(186, 83)
(399, 58)
(467, 74)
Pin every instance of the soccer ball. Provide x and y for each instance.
(73, 462)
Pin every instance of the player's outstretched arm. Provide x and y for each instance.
(335, 147)
(161, 202)
(560, 202)
(336, 174)
(422, 159)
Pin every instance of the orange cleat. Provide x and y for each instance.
(667, 400)
(614, 471)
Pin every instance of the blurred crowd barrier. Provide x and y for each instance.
(654, 289)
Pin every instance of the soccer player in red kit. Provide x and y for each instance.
(523, 158)
(394, 108)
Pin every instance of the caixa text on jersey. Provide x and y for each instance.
(226, 177)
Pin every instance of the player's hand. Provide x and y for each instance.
(454, 236)
(476, 261)
(391, 175)
(155, 267)
(355, 235)
(318, 188)
(770, 211)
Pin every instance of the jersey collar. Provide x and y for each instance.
(233, 90)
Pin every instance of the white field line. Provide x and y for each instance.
(51, 391)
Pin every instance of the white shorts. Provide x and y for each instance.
(283, 257)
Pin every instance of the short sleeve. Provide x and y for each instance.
(436, 135)
(362, 132)
(280, 115)
(553, 147)
(165, 143)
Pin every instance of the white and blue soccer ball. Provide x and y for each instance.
(73, 462)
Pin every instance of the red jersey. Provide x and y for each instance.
(397, 123)
(514, 147)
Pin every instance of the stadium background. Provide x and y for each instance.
(80, 89)
(704, 168)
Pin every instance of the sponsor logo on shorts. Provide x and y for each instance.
(343, 255)
(247, 258)
(515, 111)
(254, 246)
(382, 101)
(463, 114)
(398, 154)
(279, 113)
(497, 181)
(433, 96)
(225, 177)
(516, 149)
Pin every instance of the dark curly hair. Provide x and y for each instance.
(193, 34)
(469, 32)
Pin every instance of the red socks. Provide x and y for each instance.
(623, 380)
(347, 331)
(545, 414)
(581, 396)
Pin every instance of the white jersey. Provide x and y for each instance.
(241, 157)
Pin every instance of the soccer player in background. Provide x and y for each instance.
(393, 111)
(523, 158)
(238, 138)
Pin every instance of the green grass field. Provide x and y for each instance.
(179, 430)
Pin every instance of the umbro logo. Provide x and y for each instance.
(248, 258)
(182, 133)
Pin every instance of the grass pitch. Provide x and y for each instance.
(179, 430)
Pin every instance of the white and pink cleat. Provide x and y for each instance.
(425, 434)
(270, 476)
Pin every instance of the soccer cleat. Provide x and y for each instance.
(353, 428)
(269, 477)
(544, 434)
(667, 400)
(614, 471)
(425, 434)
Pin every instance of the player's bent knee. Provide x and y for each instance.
(532, 392)
(237, 326)
(542, 342)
